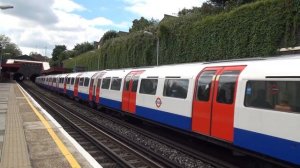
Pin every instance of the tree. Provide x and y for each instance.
(108, 35)
(83, 47)
(8, 48)
(141, 24)
(58, 49)
(224, 3)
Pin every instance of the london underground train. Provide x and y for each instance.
(252, 104)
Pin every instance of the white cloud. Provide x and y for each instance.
(157, 8)
(38, 24)
(67, 6)
(34, 33)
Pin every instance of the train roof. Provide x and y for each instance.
(117, 73)
(173, 71)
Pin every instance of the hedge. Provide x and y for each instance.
(253, 30)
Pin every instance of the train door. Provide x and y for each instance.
(214, 99)
(92, 87)
(65, 84)
(97, 99)
(76, 85)
(97, 91)
(129, 91)
(58, 79)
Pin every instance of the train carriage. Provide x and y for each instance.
(111, 88)
(267, 109)
(70, 86)
(84, 85)
(165, 95)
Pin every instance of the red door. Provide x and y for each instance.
(91, 89)
(98, 90)
(76, 85)
(129, 91)
(202, 103)
(126, 93)
(214, 101)
(65, 83)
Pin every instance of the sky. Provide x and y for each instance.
(39, 25)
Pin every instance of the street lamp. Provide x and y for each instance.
(157, 45)
(98, 63)
(74, 68)
(3, 7)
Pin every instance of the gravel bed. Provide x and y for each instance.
(165, 151)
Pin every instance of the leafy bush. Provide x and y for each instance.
(252, 30)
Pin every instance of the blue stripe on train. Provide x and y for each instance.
(110, 103)
(60, 90)
(276, 147)
(70, 93)
(83, 96)
(174, 120)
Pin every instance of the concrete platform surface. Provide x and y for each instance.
(26, 141)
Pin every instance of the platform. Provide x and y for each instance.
(29, 137)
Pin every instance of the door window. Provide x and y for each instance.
(135, 81)
(226, 87)
(204, 85)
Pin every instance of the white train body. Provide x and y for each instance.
(252, 104)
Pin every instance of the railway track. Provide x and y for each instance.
(107, 150)
(164, 151)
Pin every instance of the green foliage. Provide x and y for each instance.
(58, 49)
(252, 30)
(108, 35)
(141, 24)
(83, 47)
(7, 48)
(205, 9)
(258, 29)
(56, 59)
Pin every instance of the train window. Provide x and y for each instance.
(277, 95)
(226, 88)
(127, 82)
(81, 81)
(105, 83)
(72, 81)
(86, 82)
(204, 85)
(98, 83)
(177, 88)
(135, 81)
(148, 86)
(116, 84)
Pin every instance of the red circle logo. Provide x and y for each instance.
(158, 102)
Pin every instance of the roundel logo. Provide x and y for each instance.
(158, 102)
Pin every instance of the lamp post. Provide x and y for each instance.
(0, 62)
(74, 67)
(157, 45)
(3, 7)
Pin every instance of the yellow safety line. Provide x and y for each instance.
(73, 162)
